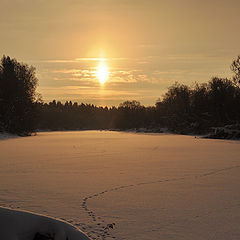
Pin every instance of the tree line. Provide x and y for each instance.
(182, 109)
(18, 97)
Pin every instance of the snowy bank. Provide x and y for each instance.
(18, 225)
(4, 136)
(227, 132)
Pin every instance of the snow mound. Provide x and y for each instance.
(226, 132)
(22, 225)
(4, 136)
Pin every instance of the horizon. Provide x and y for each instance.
(145, 45)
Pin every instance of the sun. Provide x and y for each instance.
(102, 73)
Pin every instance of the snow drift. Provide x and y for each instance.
(22, 225)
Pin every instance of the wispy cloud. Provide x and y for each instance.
(86, 59)
(129, 78)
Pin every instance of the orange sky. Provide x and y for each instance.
(148, 44)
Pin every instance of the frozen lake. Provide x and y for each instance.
(153, 187)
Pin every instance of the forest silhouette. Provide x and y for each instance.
(182, 109)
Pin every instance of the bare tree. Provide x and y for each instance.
(235, 67)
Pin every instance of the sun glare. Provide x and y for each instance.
(102, 73)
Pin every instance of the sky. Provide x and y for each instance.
(146, 45)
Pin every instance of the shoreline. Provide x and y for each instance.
(221, 133)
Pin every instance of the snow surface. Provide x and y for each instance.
(152, 186)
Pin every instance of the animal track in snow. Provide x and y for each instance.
(101, 229)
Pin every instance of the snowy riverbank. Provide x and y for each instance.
(5, 136)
